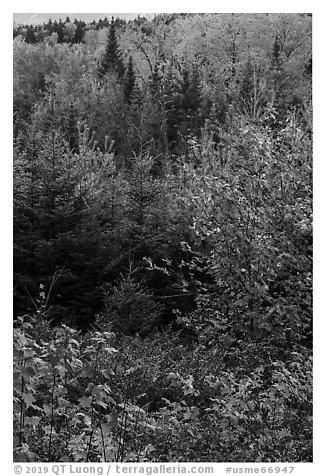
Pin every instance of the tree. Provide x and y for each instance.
(80, 30)
(32, 63)
(181, 101)
(63, 200)
(255, 215)
(187, 102)
(30, 35)
(130, 81)
(112, 58)
(155, 81)
(276, 55)
(169, 123)
(252, 92)
(69, 31)
(280, 94)
(60, 31)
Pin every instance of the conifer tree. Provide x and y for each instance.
(112, 58)
(72, 129)
(252, 94)
(169, 110)
(130, 81)
(187, 100)
(276, 55)
(194, 92)
(60, 31)
(247, 85)
(143, 206)
(80, 31)
(280, 96)
(30, 35)
(155, 81)
(154, 113)
(49, 26)
(106, 22)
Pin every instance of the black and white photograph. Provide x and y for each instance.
(162, 238)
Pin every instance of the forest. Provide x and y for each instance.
(162, 200)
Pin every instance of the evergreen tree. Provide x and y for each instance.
(170, 122)
(72, 129)
(106, 22)
(276, 55)
(308, 68)
(155, 81)
(194, 91)
(80, 31)
(30, 35)
(155, 113)
(57, 219)
(187, 99)
(40, 33)
(130, 81)
(143, 207)
(246, 85)
(281, 95)
(112, 58)
(55, 27)
(252, 94)
(135, 133)
(49, 26)
(60, 32)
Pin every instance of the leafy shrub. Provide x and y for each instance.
(99, 397)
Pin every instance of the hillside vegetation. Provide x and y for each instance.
(163, 239)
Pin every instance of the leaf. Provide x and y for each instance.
(187, 414)
(29, 399)
(150, 448)
(191, 432)
(111, 350)
(99, 392)
(85, 401)
(22, 339)
(107, 373)
(62, 369)
(106, 428)
(173, 376)
(47, 410)
(102, 404)
(32, 421)
(88, 371)
(131, 370)
(174, 421)
(112, 420)
(87, 421)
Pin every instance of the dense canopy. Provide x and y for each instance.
(163, 239)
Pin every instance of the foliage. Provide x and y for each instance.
(163, 239)
(76, 398)
(130, 307)
(111, 60)
(130, 80)
(254, 214)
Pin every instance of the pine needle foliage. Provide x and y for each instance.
(112, 58)
(130, 81)
(130, 307)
